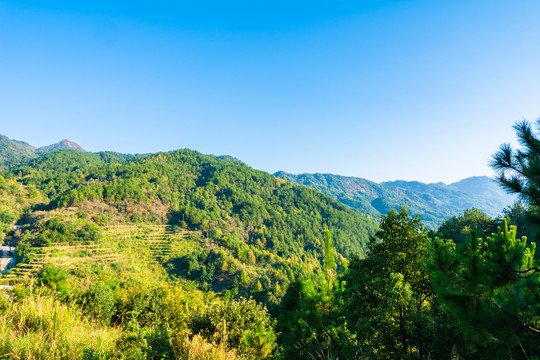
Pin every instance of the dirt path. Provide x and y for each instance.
(7, 258)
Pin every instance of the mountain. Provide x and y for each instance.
(62, 145)
(168, 234)
(484, 186)
(261, 227)
(482, 193)
(433, 202)
(14, 153)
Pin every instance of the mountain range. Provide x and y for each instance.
(433, 202)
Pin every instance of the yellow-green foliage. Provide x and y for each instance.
(197, 348)
(41, 327)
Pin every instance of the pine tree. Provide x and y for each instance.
(329, 260)
(519, 170)
(492, 287)
(244, 278)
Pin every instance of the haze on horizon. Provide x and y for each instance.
(384, 90)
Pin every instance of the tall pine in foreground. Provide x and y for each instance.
(518, 170)
(492, 287)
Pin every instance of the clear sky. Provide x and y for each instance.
(385, 90)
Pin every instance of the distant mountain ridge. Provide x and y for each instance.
(433, 202)
(62, 145)
(15, 153)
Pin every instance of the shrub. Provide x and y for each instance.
(240, 319)
(53, 278)
(144, 307)
(98, 302)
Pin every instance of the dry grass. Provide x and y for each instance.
(197, 348)
(41, 327)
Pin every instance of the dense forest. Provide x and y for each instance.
(181, 255)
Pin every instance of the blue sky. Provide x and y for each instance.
(385, 90)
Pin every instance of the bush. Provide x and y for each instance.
(89, 233)
(147, 343)
(53, 278)
(138, 308)
(6, 217)
(239, 319)
(98, 302)
(101, 219)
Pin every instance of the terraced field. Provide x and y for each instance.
(151, 244)
(61, 255)
(154, 244)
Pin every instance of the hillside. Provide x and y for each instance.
(433, 202)
(14, 153)
(247, 228)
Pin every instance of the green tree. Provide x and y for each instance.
(98, 302)
(519, 169)
(492, 287)
(310, 323)
(53, 278)
(260, 343)
(329, 261)
(458, 228)
(517, 214)
(244, 278)
(329, 265)
(388, 300)
(306, 331)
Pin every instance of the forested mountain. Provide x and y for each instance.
(433, 202)
(14, 153)
(259, 231)
(208, 192)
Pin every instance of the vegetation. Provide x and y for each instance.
(389, 300)
(459, 228)
(491, 287)
(180, 255)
